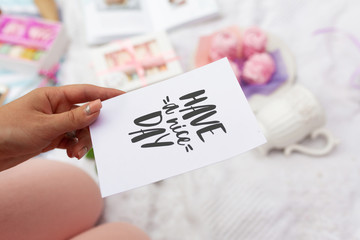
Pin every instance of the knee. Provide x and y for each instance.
(47, 200)
(113, 231)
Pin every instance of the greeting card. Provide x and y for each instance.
(107, 20)
(172, 127)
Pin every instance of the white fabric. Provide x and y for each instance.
(251, 196)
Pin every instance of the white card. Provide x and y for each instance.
(167, 14)
(172, 127)
(141, 16)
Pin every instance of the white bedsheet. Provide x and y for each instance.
(251, 196)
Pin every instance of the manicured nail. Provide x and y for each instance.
(93, 107)
(82, 152)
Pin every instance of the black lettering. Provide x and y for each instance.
(188, 147)
(141, 121)
(169, 108)
(174, 127)
(150, 133)
(209, 129)
(157, 143)
(197, 110)
(194, 98)
(198, 121)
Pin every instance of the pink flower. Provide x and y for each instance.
(224, 44)
(258, 69)
(254, 41)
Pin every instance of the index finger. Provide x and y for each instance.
(80, 93)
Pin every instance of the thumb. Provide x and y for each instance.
(77, 118)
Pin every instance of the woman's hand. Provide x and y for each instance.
(48, 118)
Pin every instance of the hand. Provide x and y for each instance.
(48, 118)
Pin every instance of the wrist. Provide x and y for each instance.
(8, 156)
(5, 135)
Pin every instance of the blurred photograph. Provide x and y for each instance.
(179, 120)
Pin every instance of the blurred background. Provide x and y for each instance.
(257, 195)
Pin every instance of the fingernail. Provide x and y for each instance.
(93, 107)
(82, 152)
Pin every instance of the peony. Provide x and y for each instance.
(258, 69)
(224, 44)
(254, 41)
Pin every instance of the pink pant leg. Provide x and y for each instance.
(42, 199)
